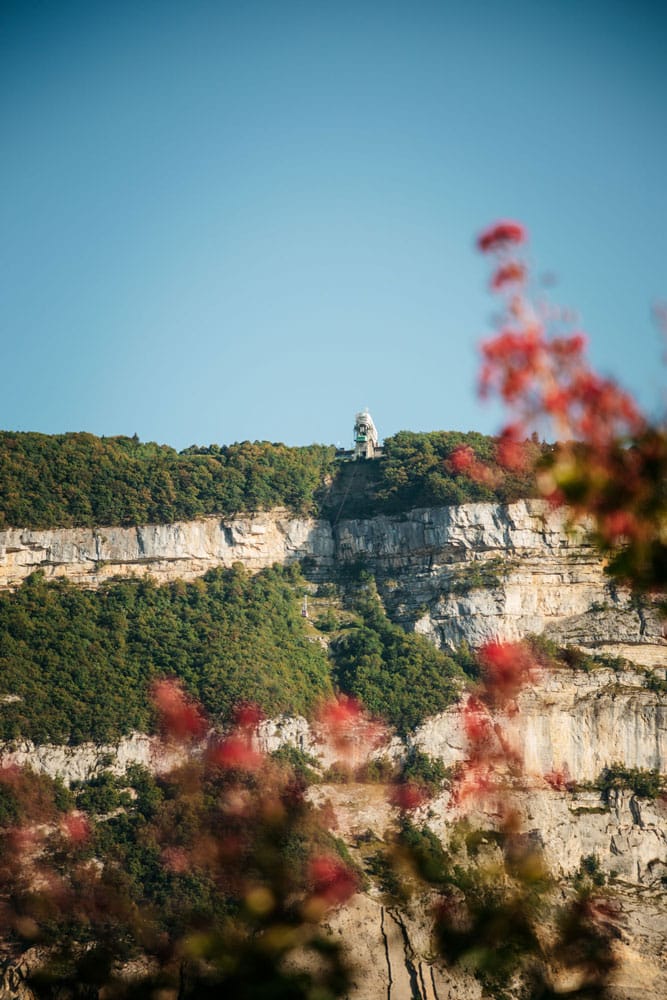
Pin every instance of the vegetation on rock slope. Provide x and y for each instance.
(81, 662)
(77, 665)
(417, 471)
(398, 676)
(68, 480)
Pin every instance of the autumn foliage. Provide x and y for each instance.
(610, 460)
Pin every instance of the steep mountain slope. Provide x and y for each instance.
(450, 575)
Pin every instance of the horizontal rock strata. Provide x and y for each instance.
(473, 572)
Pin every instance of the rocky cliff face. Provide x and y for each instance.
(80, 763)
(572, 722)
(473, 572)
(393, 950)
(164, 551)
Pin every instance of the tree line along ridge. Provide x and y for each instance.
(80, 480)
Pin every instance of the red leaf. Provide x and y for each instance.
(180, 717)
(332, 880)
(500, 234)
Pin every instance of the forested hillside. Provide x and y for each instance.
(64, 480)
(82, 662)
(78, 665)
(69, 480)
(421, 470)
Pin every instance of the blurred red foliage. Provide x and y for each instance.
(76, 827)
(609, 462)
(407, 796)
(506, 668)
(500, 235)
(180, 718)
(344, 725)
(235, 751)
(332, 880)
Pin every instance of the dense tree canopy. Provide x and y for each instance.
(418, 471)
(80, 663)
(427, 470)
(398, 676)
(65, 480)
(79, 479)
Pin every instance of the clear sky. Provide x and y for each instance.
(247, 220)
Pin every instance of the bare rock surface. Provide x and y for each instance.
(574, 722)
(82, 762)
(183, 550)
(390, 955)
(473, 572)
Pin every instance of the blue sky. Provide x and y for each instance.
(229, 221)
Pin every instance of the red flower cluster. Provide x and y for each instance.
(477, 778)
(333, 882)
(507, 667)
(180, 718)
(500, 235)
(176, 859)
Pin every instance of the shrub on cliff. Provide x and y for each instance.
(398, 676)
(645, 784)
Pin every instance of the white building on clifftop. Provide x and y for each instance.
(366, 443)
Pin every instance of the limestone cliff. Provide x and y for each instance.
(164, 551)
(574, 722)
(472, 572)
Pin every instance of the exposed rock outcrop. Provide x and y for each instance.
(82, 762)
(184, 550)
(391, 955)
(574, 722)
(393, 950)
(14, 972)
(473, 572)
